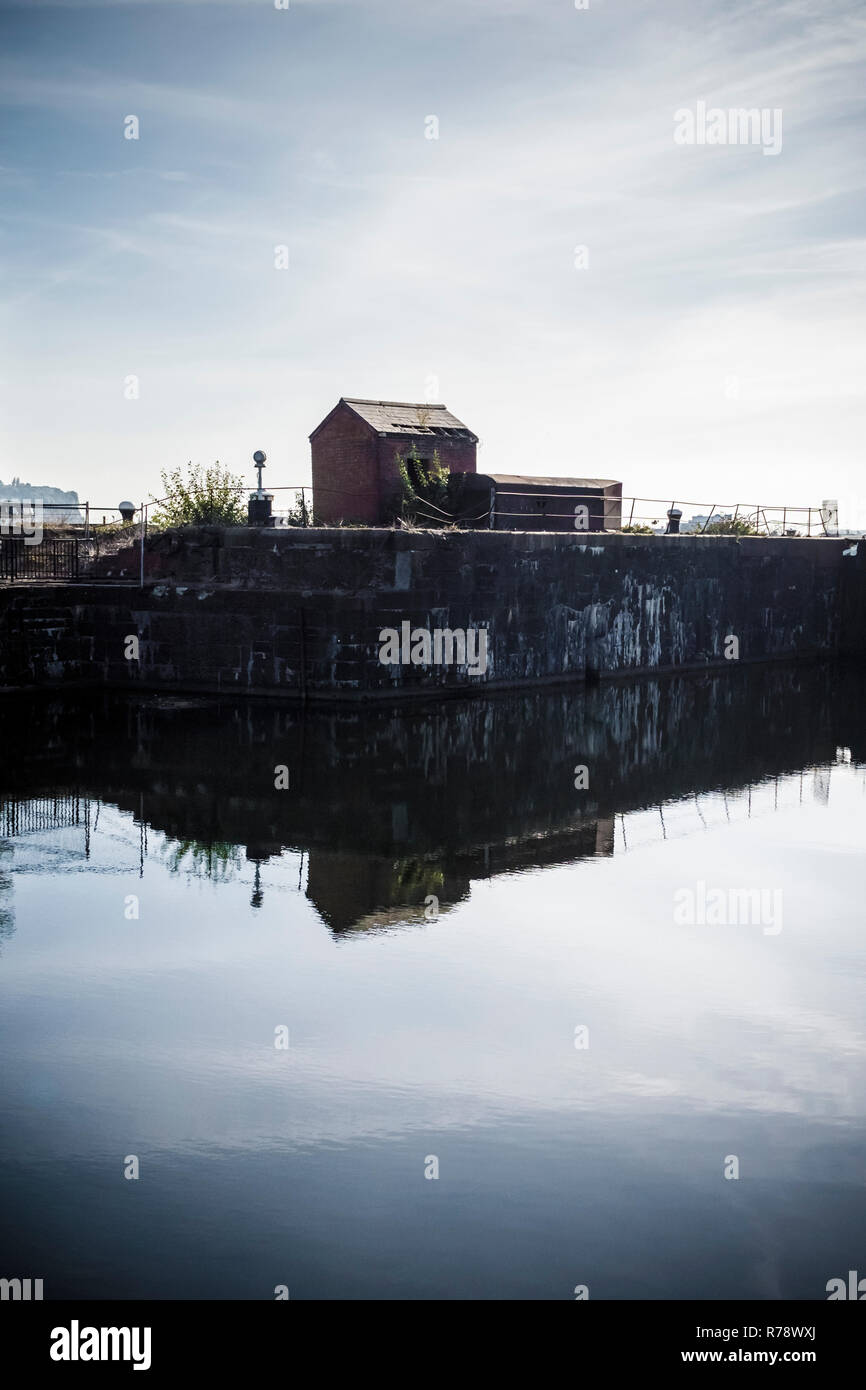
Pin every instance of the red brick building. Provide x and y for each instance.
(356, 447)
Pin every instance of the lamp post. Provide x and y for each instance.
(259, 504)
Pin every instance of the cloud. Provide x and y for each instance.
(456, 257)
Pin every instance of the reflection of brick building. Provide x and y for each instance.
(355, 450)
(354, 891)
(351, 891)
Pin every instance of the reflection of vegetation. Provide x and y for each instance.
(218, 860)
(413, 879)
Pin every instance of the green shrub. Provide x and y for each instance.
(203, 495)
(429, 492)
(301, 513)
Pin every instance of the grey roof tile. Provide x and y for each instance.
(407, 417)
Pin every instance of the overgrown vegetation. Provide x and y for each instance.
(201, 495)
(300, 514)
(731, 527)
(639, 530)
(429, 492)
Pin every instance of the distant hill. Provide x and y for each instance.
(60, 505)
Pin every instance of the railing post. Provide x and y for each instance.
(87, 521)
(141, 562)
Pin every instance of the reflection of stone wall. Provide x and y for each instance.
(406, 782)
(300, 612)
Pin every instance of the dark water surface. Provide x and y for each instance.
(434, 912)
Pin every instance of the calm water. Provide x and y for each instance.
(417, 1034)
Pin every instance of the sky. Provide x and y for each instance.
(590, 295)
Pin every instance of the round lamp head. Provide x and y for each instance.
(259, 458)
(127, 510)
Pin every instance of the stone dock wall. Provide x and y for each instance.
(300, 613)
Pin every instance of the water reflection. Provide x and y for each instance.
(394, 813)
(431, 908)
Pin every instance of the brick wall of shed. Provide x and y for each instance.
(345, 472)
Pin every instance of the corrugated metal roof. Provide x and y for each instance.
(522, 479)
(407, 417)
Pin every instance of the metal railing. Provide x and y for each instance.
(627, 512)
(52, 558)
(85, 516)
(617, 513)
(764, 518)
(72, 555)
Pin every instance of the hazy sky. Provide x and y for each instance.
(707, 345)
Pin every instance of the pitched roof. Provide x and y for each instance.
(407, 417)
